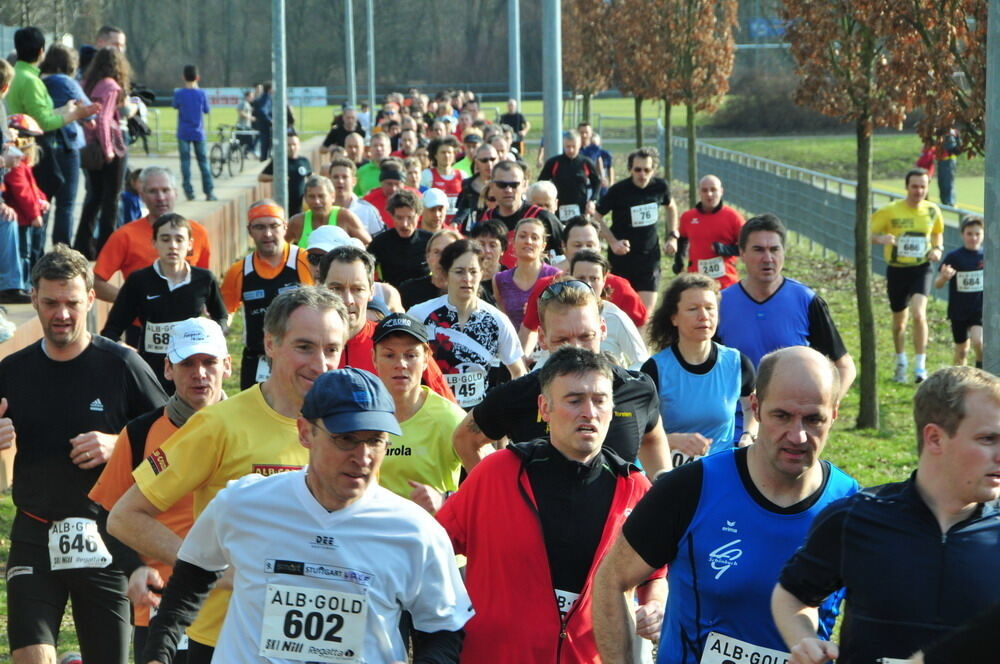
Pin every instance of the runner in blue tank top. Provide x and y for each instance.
(725, 525)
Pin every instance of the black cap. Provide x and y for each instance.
(400, 323)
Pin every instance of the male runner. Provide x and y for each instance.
(253, 432)
(569, 316)
(342, 175)
(917, 558)
(911, 231)
(129, 248)
(274, 266)
(508, 185)
(575, 177)
(516, 121)
(320, 211)
(391, 181)
(299, 169)
(725, 524)
(633, 238)
(962, 270)
(563, 500)
(765, 310)
(711, 231)
(325, 560)
(379, 148)
(63, 399)
(400, 250)
(197, 362)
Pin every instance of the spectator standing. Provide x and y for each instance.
(192, 106)
(262, 119)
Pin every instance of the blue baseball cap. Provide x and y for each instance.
(351, 399)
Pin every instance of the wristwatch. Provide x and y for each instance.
(673, 235)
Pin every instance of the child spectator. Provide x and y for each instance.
(21, 191)
(11, 277)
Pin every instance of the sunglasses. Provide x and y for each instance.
(315, 259)
(502, 184)
(556, 289)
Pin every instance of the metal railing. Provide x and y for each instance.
(816, 206)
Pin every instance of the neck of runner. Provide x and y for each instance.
(343, 199)
(408, 403)
(282, 400)
(321, 217)
(274, 259)
(694, 352)
(464, 306)
(174, 271)
(937, 493)
(780, 488)
(68, 352)
(761, 290)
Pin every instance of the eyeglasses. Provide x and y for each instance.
(348, 442)
(637, 169)
(557, 288)
(503, 184)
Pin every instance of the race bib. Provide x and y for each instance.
(911, 246)
(712, 267)
(263, 369)
(681, 459)
(969, 282)
(312, 625)
(644, 215)
(565, 601)
(469, 387)
(721, 649)
(568, 212)
(74, 543)
(183, 643)
(890, 660)
(157, 337)
(452, 204)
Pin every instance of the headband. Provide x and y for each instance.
(265, 210)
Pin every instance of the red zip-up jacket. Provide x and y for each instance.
(493, 520)
(21, 192)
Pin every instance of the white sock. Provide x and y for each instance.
(901, 359)
(920, 360)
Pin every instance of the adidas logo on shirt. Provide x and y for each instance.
(97, 406)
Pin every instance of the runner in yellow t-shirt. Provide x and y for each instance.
(254, 432)
(912, 234)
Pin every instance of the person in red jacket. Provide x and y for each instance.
(711, 230)
(21, 191)
(560, 503)
(349, 272)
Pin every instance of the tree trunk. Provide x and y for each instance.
(668, 153)
(638, 122)
(692, 157)
(585, 111)
(868, 415)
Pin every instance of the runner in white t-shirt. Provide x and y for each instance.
(326, 560)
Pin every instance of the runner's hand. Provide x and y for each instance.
(427, 497)
(670, 246)
(692, 444)
(8, 436)
(649, 619)
(813, 651)
(934, 255)
(91, 449)
(139, 586)
(620, 247)
(948, 271)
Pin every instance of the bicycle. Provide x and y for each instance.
(229, 151)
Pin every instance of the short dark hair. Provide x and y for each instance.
(493, 228)
(765, 222)
(506, 165)
(579, 221)
(438, 143)
(971, 220)
(662, 331)
(347, 254)
(172, 218)
(913, 172)
(404, 198)
(572, 360)
(345, 163)
(644, 153)
(941, 398)
(28, 43)
(451, 253)
(108, 30)
(190, 73)
(587, 256)
(59, 59)
(62, 264)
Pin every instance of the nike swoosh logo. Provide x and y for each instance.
(152, 297)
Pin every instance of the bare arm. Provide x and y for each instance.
(848, 372)
(883, 238)
(470, 443)
(798, 624)
(133, 521)
(937, 240)
(670, 246)
(392, 298)
(621, 571)
(529, 339)
(294, 230)
(749, 421)
(263, 177)
(517, 368)
(350, 223)
(104, 290)
(654, 452)
(945, 274)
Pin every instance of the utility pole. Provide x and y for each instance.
(991, 246)
(370, 9)
(352, 76)
(514, 49)
(279, 101)
(552, 90)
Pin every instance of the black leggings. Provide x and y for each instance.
(100, 207)
(139, 636)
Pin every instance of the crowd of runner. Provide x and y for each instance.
(474, 424)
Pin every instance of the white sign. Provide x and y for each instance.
(75, 543)
(969, 282)
(644, 215)
(224, 97)
(712, 267)
(297, 96)
(158, 337)
(313, 625)
(722, 649)
(567, 212)
(911, 246)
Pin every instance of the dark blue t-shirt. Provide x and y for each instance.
(965, 290)
(191, 104)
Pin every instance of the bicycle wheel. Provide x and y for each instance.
(216, 159)
(235, 159)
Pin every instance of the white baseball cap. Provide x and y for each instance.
(196, 335)
(327, 238)
(435, 198)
